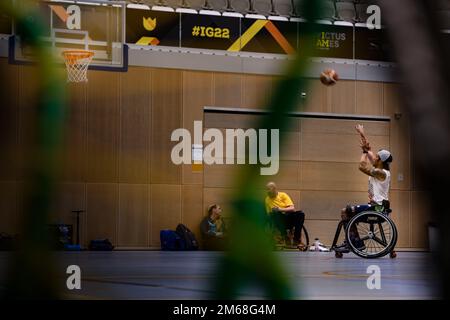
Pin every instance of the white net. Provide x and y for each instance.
(77, 63)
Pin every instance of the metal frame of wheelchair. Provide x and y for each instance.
(304, 236)
(375, 228)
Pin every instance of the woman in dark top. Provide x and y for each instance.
(213, 228)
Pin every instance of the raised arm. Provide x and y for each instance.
(364, 143)
(366, 167)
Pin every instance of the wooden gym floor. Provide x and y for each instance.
(188, 275)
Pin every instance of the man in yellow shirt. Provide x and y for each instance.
(281, 211)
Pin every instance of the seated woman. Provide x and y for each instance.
(213, 229)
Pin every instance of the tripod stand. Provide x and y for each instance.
(78, 212)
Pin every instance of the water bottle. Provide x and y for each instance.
(316, 244)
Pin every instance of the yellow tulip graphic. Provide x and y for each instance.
(149, 24)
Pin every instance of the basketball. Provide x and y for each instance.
(329, 77)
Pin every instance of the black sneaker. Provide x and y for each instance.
(342, 248)
(359, 244)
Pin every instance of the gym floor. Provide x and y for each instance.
(188, 275)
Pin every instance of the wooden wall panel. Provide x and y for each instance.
(103, 126)
(165, 208)
(102, 211)
(134, 215)
(401, 168)
(391, 99)
(417, 182)
(135, 113)
(327, 205)
(192, 207)
(220, 196)
(227, 90)
(243, 121)
(420, 217)
(339, 127)
(9, 90)
(401, 215)
(317, 97)
(339, 148)
(332, 176)
(118, 130)
(369, 98)
(256, 91)
(288, 176)
(197, 93)
(225, 176)
(74, 154)
(217, 175)
(69, 197)
(166, 117)
(231, 121)
(324, 230)
(342, 97)
(400, 138)
(8, 208)
(290, 146)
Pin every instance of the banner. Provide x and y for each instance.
(208, 32)
(372, 45)
(330, 42)
(266, 36)
(145, 27)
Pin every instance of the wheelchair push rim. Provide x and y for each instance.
(376, 234)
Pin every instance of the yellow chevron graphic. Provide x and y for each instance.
(248, 35)
(254, 29)
(146, 41)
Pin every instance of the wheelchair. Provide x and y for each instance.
(369, 234)
(304, 236)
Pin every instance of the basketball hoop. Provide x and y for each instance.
(77, 63)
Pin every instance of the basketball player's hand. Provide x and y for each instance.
(365, 146)
(360, 129)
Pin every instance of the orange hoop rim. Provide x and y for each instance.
(73, 56)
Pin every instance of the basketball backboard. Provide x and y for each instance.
(95, 25)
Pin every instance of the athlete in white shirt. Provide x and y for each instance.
(376, 166)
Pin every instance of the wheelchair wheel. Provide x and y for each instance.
(371, 234)
(304, 237)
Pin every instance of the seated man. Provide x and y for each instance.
(376, 166)
(213, 229)
(282, 214)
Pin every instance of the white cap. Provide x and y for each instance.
(384, 155)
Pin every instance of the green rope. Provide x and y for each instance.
(32, 271)
(250, 259)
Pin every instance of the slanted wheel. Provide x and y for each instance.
(371, 234)
(304, 238)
